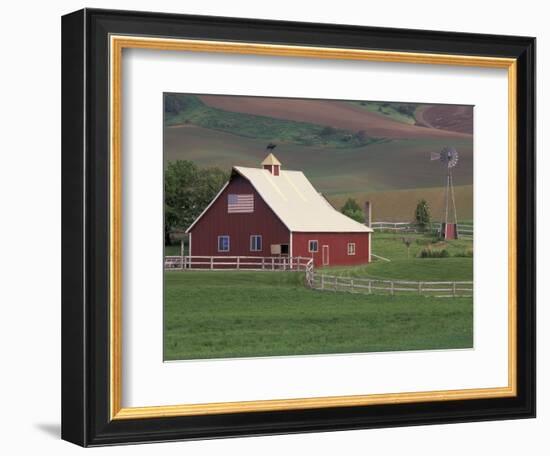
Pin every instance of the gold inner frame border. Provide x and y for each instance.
(117, 44)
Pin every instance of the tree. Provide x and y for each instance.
(187, 191)
(352, 209)
(422, 215)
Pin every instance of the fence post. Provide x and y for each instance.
(351, 284)
(211, 262)
(419, 288)
(272, 263)
(238, 263)
(370, 286)
(391, 287)
(263, 263)
(322, 281)
(182, 251)
(454, 289)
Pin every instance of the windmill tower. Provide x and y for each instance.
(448, 158)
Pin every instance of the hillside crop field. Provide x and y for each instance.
(242, 314)
(362, 149)
(399, 205)
(384, 166)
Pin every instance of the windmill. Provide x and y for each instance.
(448, 158)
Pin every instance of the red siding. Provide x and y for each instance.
(337, 247)
(217, 221)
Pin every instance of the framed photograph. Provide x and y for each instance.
(278, 227)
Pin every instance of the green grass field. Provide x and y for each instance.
(243, 314)
(458, 267)
(226, 314)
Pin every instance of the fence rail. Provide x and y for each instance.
(250, 263)
(464, 229)
(327, 282)
(319, 280)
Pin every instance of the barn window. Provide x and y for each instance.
(351, 248)
(223, 243)
(313, 246)
(256, 243)
(240, 204)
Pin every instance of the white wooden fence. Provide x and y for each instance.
(326, 282)
(250, 263)
(318, 280)
(465, 230)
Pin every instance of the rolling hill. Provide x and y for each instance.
(390, 165)
(337, 114)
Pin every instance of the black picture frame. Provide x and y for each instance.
(85, 225)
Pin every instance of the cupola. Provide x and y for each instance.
(272, 164)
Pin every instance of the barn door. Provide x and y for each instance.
(325, 255)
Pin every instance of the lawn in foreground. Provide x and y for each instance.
(241, 314)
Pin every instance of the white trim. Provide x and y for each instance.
(349, 245)
(208, 207)
(228, 242)
(370, 247)
(323, 255)
(309, 241)
(290, 246)
(261, 243)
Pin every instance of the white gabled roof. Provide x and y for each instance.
(296, 202)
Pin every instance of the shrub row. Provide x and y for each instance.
(428, 252)
(432, 253)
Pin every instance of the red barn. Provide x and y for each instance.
(272, 212)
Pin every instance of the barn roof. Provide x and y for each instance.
(296, 202)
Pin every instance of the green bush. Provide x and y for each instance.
(433, 253)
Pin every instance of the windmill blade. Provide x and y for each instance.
(435, 156)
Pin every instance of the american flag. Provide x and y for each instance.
(240, 203)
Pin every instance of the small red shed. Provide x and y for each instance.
(268, 212)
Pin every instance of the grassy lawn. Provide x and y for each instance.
(390, 246)
(241, 314)
(425, 269)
